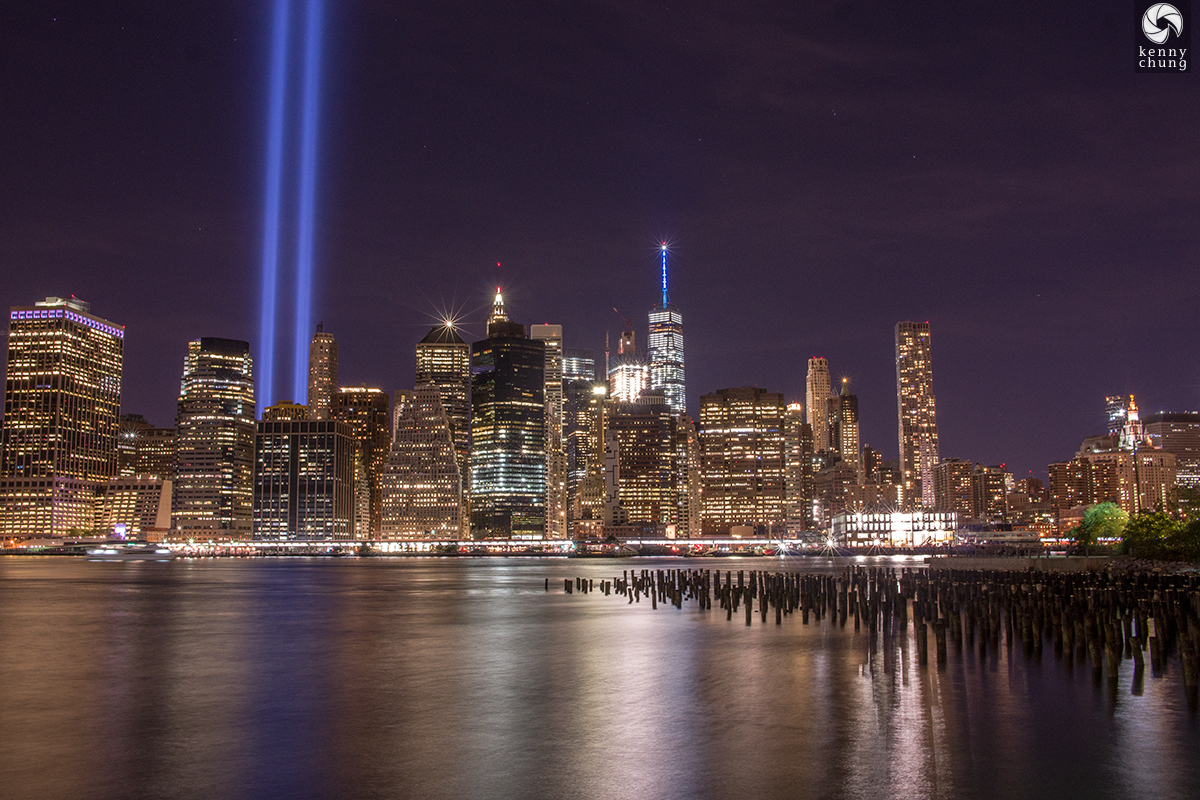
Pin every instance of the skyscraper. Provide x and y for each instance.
(508, 432)
(1116, 412)
(421, 483)
(665, 346)
(741, 438)
(1178, 433)
(628, 374)
(214, 441)
(798, 470)
(819, 390)
(143, 449)
(303, 480)
(578, 364)
(646, 453)
(843, 429)
(62, 399)
(556, 458)
(916, 414)
(368, 413)
(444, 362)
(322, 373)
(689, 477)
(583, 409)
(954, 487)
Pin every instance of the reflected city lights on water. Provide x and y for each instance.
(421, 677)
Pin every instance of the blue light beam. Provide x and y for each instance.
(274, 189)
(308, 191)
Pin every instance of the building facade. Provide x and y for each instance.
(214, 441)
(888, 528)
(798, 470)
(556, 457)
(742, 444)
(137, 507)
(1177, 433)
(508, 432)
(953, 487)
(842, 418)
(368, 413)
(304, 481)
(322, 374)
(421, 482)
(818, 391)
(62, 397)
(444, 362)
(143, 449)
(916, 414)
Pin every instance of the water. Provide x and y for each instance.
(463, 678)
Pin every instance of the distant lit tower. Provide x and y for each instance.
(368, 413)
(444, 363)
(916, 414)
(843, 429)
(1116, 411)
(556, 457)
(322, 373)
(422, 486)
(1124, 422)
(61, 416)
(798, 470)
(214, 441)
(583, 400)
(665, 346)
(742, 441)
(303, 479)
(628, 375)
(508, 432)
(819, 390)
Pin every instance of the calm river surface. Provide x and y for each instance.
(463, 678)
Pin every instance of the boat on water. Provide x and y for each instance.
(130, 551)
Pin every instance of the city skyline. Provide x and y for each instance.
(816, 185)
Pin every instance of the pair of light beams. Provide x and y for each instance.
(305, 202)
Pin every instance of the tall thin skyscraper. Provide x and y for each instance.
(665, 346)
(556, 457)
(819, 390)
(843, 429)
(322, 374)
(62, 402)
(444, 362)
(214, 441)
(508, 432)
(798, 470)
(916, 414)
(368, 413)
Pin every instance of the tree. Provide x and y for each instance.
(1101, 521)
(1151, 535)
(1186, 499)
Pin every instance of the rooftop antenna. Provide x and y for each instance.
(664, 275)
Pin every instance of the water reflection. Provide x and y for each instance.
(463, 678)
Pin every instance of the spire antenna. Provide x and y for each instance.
(664, 275)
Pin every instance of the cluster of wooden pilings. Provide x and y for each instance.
(1092, 618)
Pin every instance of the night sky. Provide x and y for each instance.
(821, 170)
